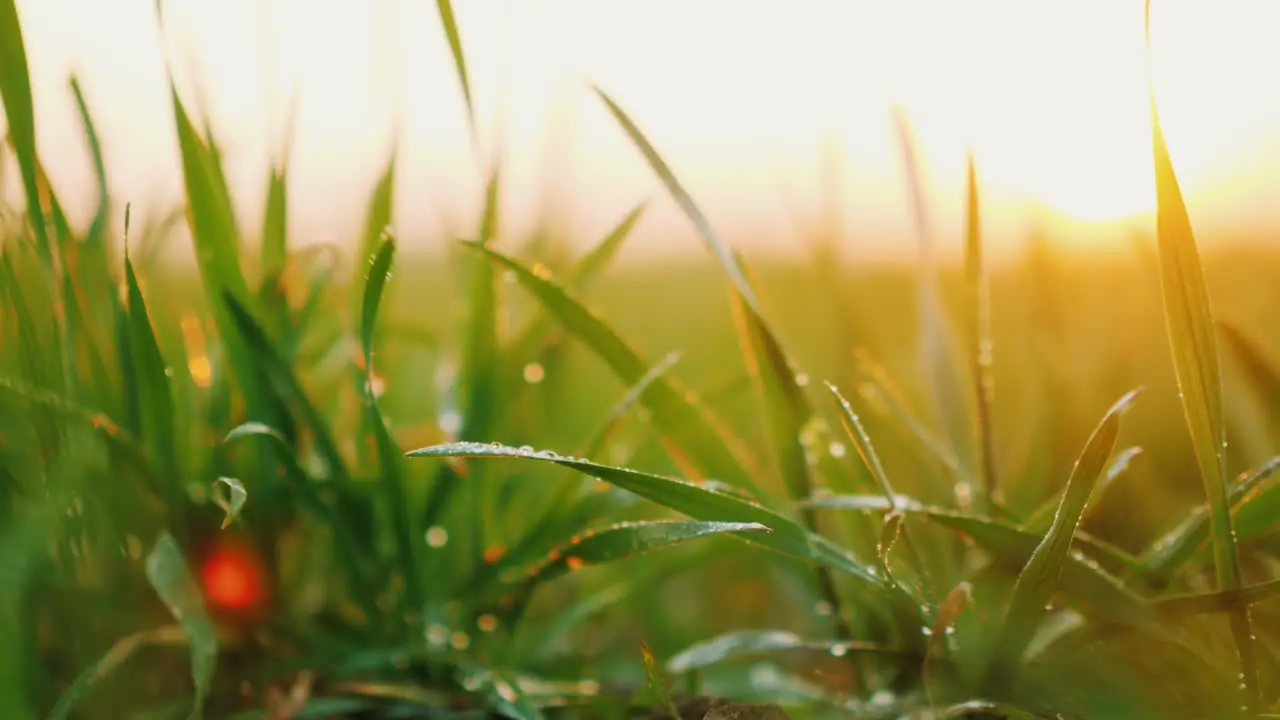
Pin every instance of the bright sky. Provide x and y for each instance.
(757, 106)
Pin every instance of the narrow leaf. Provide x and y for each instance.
(980, 336)
(657, 680)
(445, 8)
(15, 92)
(167, 571)
(755, 643)
(1039, 579)
(232, 500)
(787, 536)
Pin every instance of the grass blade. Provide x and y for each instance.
(154, 394)
(275, 227)
(167, 571)
(378, 216)
(389, 456)
(1189, 319)
(1039, 520)
(1218, 602)
(787, 536)
(657, 680)
(700, 448)
(121, 651)
(1040, 578)
(98, 226)
(980, 336)
(445, 8)
(626, 540)
(232, 503)
(754, 643)
(15, 92)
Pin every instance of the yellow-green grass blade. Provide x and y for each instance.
(979, 322)
(154, 394)
(786, 537)
(1041, 518)
(168, 573)
(626, 540)
(1189, 319)
(95, 235)
(275, 227)
(1218, 602)
(658, 682)
(377, 218)
(445, 9)
(1041, 576)
(389, 455)
(123, 649)
(15, 92)
(1174, 549)
(700, 448)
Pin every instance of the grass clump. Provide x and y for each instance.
(289, 496)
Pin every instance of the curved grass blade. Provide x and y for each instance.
(1218, 602)
(389, 456)
(1040, 578)
(275, 226)
(1189, 319)
(754, 643)
(167, 571)
(121, 651)
(232, 502)
(1175, 548)
(1039, 520)
(378, 216)
(626, 540)
(1083, 579)
(971, 708)
(96, 232)
(979, 313)
(787, 536)
(15, 92)
(286, 386)
(700, 448)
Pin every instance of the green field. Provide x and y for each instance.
(513, 482)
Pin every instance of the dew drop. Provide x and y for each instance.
(802, 379)
(837, 449)
(134, 546)
(487, 623)
(526, 448)
(460, 641)
(839, 650)
(574, 562)
(534, 373)
(437, 537)
(926, 631)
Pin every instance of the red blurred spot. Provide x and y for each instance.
(231, 580)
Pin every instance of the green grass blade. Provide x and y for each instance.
(980, 336)
(377, 217)
(986, 708)
(232, 502)
(1175, 548)
(1041, 576)
(275, 226)
(287, 388)
(155, 396)
(657, 680)
(700, 448)
(389, 455)
(627, 540)
(445, 8)
(167, 571)
(1189, 320)
(1218, 602)
(719, 249)
(15, 92)
(96, 232)
(1039, 520)
(481, 352)
(787, 536)
(589, 268)
(121, 651)
(754, 643)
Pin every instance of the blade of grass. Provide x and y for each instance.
(122, 650)
(980, 335)
(657, 680)
(1189, 320)
(1174, 549)
(445, 9)
(1217, 602)
(738, 644)
(378, 217)
(1041, 576)
(626, 540)
(389, 456)
(96, 233)
(167, 571)
(699, 447)
(232, 503)
(15, 91)
(1039, 520)
(787, 536)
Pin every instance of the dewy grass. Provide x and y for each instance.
(243, 428)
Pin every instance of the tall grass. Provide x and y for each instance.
(267, 492)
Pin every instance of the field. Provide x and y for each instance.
(513, 482)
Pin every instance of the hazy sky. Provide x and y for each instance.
(752, 103)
